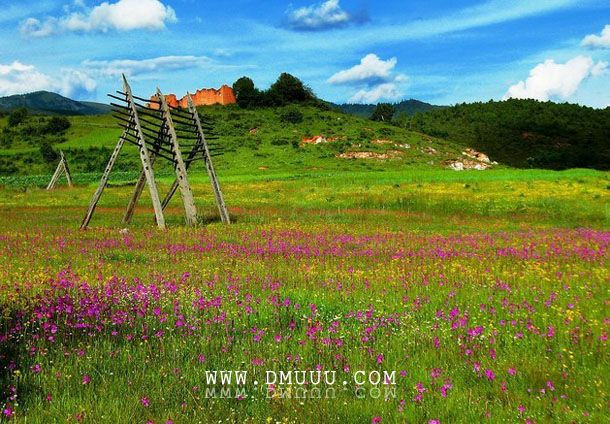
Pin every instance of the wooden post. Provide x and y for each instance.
(137, 192)
(181, 174)
(66, 169)
(145, 158)
(62, 168)
(222, 208)
(103, 182)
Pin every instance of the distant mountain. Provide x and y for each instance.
(410, 107)
(51, 103)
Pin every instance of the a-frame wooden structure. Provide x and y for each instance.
(156, 132)
(62, 168)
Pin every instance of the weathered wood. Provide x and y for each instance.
(103, 182)
(62, 168)
(145, 159)
(137, 192)
(66, 169)
(179, 166)
(222, 208)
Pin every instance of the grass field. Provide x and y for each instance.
(482, 295)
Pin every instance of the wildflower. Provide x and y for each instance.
(145, 402)
(36, 368)
(380, 358)
(376, 420)
(512, 371)
(490, 375)
(86, 379)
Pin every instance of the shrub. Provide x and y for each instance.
(17, 116)
(292, 115)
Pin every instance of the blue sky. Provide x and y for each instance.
(439, 51)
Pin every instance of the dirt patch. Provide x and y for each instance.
(390, 154)
(318, 139)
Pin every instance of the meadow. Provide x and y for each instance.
(482, 295)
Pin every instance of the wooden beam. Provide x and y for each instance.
(222, 208)
(181, 172)
(103, 182)
(145, 158)
(66, 169)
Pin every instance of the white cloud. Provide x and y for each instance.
(129, 67)
(375, 77)
(385, 91)
(556, 80)
(19, 78)
(370, 69)
(602, 40)
(33, 27)
(321, 16)
(123, 15)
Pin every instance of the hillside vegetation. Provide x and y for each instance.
(255, 141)
(524, 133)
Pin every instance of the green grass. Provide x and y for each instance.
(385, 251)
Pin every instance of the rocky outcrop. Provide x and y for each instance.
(318, 139)
(204, 97)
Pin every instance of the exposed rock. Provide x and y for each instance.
(204, 97)
(461, 165)
(430, 150)
(473, 154)
(390, 154)
(381, 142)
(318, 139)
(405, 146)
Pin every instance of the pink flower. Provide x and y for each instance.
(512, 371)
(86, 379)
(380, 358)
(145, 402)
(434, 422)
(490, 375)
(36, 368)
(376, 420)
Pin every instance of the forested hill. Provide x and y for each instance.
(525, 133)
(409, 107)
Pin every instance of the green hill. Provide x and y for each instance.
(51, 103)
(525, 133)
(257, 141)
(408, 107)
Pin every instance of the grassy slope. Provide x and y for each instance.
(271, 147)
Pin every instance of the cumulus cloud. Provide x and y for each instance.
(371, 69)
(19, 78)
(123, 15)
(600, 41)
(375, 77)
(322, 16)
(556, 80)
(33, 27)
(113, 68)
(385, 91)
